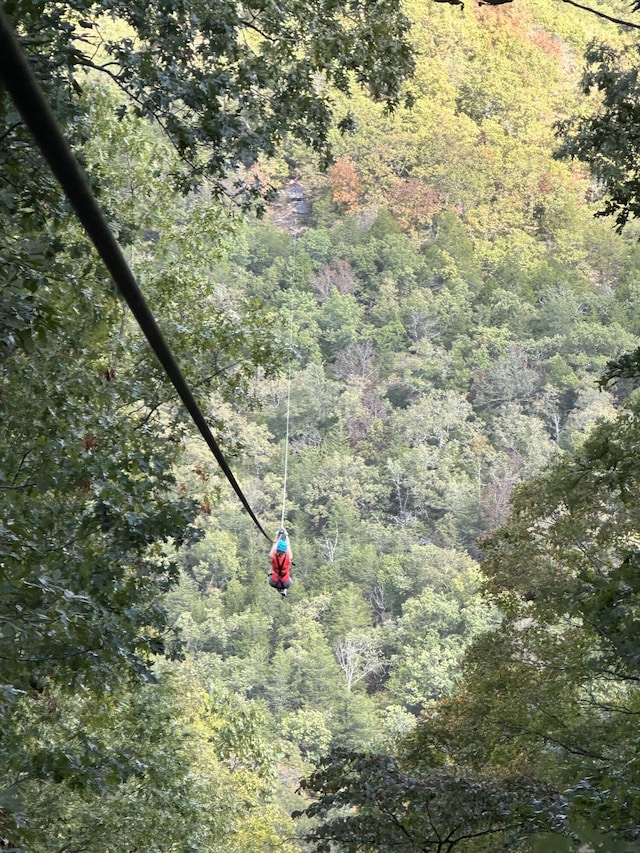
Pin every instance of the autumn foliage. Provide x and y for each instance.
(345, 184)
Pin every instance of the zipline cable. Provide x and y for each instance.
(29, 100)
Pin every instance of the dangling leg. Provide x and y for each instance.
(284, 586)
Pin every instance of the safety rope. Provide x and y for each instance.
(23, 88)
(286, 441)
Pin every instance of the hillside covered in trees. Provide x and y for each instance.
(423, 327)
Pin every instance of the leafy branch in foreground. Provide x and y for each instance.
(227, 81)
(370, 802)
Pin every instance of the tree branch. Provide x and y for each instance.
(10, 130)
(603, 15)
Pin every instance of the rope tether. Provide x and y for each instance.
(20, 83)
(286, 441)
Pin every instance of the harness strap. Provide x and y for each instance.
(280, 563)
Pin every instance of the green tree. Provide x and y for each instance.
(429, 643)
(432, 472)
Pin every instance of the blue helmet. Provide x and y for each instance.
(282, 545)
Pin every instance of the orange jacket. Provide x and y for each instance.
(280, 566)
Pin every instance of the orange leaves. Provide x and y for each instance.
(414, 203)
(345, 184)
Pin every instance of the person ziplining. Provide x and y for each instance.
(281, 558)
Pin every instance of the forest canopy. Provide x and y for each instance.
(433, 322)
